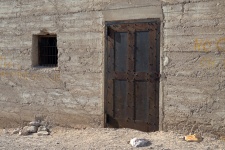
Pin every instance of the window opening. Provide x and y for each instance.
(48, 52)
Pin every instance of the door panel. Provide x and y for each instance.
(141, 101)
(120, 51)
(131, 98)
(120, 99)
(142, 52)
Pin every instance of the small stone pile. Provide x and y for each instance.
(39, 127)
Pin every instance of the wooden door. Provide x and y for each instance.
(132, 75)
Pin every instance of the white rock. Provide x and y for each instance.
(43, 128)
(32, 129)
(135, 142)
(43, 133)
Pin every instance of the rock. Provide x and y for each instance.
(181, 137)
(193, 138)
(24, 131)
(43, 133)
(139, 142)
(43, 128)
(16, 131)
(35, 123)
(32, 129)
(28, 130)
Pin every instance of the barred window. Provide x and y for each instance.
(48, 52)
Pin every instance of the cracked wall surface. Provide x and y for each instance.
(192, 61)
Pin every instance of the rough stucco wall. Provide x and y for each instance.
(67, 95)
(72, 94)
(192, 44)
(194, 48)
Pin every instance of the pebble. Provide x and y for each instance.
(42, 133)
(43, 128)
(28, 130)
(24, 131)
(32, 129)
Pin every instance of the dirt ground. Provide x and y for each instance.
(102, 139)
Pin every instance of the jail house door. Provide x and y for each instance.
(132, 75)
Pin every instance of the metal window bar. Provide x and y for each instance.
(48, 52)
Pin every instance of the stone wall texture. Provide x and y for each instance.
(192, 83)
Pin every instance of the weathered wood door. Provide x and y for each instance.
(132, 75)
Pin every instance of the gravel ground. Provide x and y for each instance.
(102, 139)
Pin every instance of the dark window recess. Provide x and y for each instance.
(48, 52)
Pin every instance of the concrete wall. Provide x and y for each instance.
(192, 64)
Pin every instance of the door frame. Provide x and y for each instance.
(158, 66)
